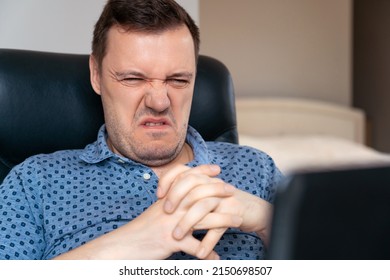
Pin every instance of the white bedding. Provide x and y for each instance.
(295, 153)
(306, 135)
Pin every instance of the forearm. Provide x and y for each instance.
(122, 243)
(149, 236)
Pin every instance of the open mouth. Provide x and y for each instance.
(155, 122)
(151, 124)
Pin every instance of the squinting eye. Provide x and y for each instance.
(133, 81)
(178, 83)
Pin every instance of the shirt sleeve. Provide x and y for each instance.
(275, 179)
(21, 235)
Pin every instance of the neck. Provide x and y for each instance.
(185, 156)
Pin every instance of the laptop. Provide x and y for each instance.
(332, 215)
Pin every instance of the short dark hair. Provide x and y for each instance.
(141, 16)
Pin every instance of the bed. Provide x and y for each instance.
(306, 135)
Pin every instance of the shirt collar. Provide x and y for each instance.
(199, 147)
(99, 150)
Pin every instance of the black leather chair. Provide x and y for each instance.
(48, 104)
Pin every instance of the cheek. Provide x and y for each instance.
(181, 104)
(120, 102)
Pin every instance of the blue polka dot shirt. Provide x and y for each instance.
(52, 203)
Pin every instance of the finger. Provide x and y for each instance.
(185, 181)
(167, 179)
(191, 247)
(218, 220)
(205, 188)
(195, 188)
(196, 213)
(180, 171)
(212, 256)
(209, 241)
(180, 192)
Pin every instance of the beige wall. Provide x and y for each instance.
(57, 26)
(293, 48)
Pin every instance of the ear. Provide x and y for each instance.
(94, 74)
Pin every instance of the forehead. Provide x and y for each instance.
(172, 48)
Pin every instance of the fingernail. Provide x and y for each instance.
(214, 168)
(229, 188)
(177, 233)
(201, 253)
(237, 220)
(168, 206)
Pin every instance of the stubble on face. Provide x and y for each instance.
(153, 153)
(148, 124)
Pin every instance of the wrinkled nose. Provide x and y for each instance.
(156, 97)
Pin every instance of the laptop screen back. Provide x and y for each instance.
(342, 214)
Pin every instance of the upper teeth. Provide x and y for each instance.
(153, 124)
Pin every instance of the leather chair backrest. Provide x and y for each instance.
(47, 104)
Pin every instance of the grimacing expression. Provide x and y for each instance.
(146, 82)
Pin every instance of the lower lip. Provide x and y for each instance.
(155, 132)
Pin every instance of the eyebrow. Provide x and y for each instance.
(187, 75)
(121, 75)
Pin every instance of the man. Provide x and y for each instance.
(149, 187)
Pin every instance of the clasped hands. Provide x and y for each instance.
(193, 199)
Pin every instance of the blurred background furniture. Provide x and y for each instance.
(306, 135)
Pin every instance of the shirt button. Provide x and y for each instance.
(146, 176)
(121, 161)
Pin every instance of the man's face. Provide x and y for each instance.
(146, 82)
